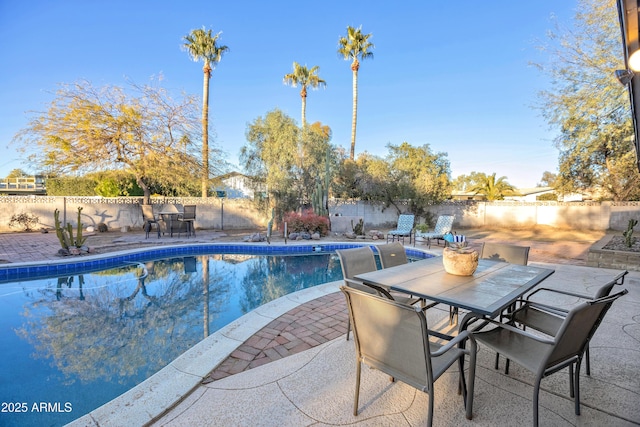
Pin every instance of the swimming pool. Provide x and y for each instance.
(76, 340)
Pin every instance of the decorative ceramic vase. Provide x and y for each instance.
(460, 262)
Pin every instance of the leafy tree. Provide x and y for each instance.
(346, 182)
(304, 77)
(466, 182)
(589, 106)
(548, 179)
(99, 129)
(492, 188)
(407, 173)
(355, 46)
(17, 173)
(287, 159)
(202, 45)
(71, 186)
(419, 175)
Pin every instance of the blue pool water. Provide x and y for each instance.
(74, 337)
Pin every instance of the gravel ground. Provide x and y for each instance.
(618, 243)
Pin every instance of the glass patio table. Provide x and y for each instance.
(493, 287)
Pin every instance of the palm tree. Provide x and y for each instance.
(355, 45)
(493, 189)
(305, 78)
(202, 45)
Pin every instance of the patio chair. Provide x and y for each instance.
(361, 260)
(443, 226)
(394, 338)
(512, 254)
(188, 217)
(548, 319)
(544, 356)
(149, 219)
(403, 229)
(392, 254)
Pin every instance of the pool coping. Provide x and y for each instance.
(153, 397)
(87, 263)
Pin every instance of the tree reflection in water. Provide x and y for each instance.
(130, 324)
(270, 277)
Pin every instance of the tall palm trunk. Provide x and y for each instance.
(304, 108)
(303, 95)
(354, 119)
(205, 130)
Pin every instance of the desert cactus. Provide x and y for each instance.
(628, 235)
(65, 234)
(317, 201)
(358, 229)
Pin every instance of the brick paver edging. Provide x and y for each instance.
(306, 326)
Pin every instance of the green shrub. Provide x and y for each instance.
(306, 221)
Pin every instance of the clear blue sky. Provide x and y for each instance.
(454, 75)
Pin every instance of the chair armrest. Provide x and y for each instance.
(517, 331)
(544, 307)
(558, 291)
(461, 337)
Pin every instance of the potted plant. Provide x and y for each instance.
(459, 259)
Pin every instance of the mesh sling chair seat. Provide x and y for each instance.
(512, 254)
(188, 217)
(394, 254)
(403, 229)
(443, 226)
(503, 252)
(394, 338)
(361, 260)
(544, 356)
(548, 318)
(149, 219)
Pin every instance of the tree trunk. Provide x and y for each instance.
(354, 118)
(146, 198)
(205, 130)
(304, 109)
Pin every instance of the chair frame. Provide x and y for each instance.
(566, 349)
(402, 228)
(148, 221)
(513, 254)
(392, 254)
(380, 344)
(443, 226)
(361, 260)
(547, 318)
(188, 216)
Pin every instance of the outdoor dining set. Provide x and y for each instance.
(502, 313)
(171, 219)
